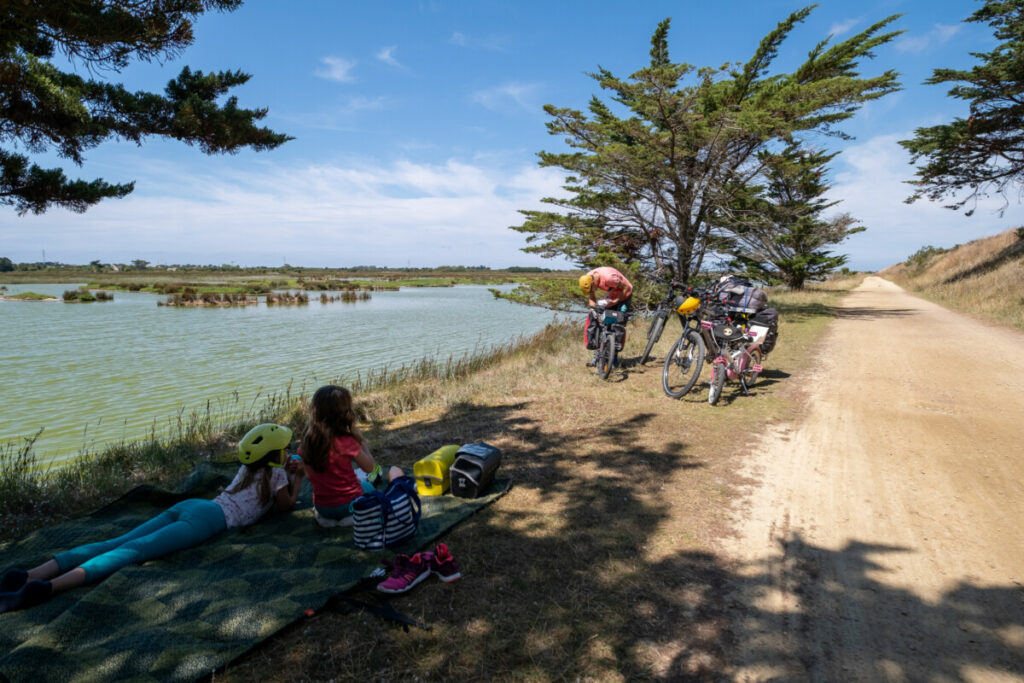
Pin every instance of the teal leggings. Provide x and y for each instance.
(181, 526)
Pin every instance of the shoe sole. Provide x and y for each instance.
(407, 586)
(448, 578)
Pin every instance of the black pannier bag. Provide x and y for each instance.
(769, 318)
(620, 336)
(590, 332)
(473, 469)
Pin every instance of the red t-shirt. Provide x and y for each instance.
(338, 484)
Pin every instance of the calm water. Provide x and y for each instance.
(94, 373)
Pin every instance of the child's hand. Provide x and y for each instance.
(294, 465)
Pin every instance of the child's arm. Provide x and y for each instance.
(287, 495)
(364, 459)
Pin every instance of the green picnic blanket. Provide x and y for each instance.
(181, 616)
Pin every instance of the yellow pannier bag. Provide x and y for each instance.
(432, 471)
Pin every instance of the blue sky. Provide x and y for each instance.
(417, 125)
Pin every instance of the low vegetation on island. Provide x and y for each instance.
(28, 296)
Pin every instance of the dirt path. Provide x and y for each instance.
(883, 538)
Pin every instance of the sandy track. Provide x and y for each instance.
(882, 537)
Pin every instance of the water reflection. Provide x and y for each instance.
(94, 373)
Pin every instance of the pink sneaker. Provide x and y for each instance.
(443, 565)
(406, 572)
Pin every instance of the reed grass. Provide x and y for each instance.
(190, 298)
(287, 299)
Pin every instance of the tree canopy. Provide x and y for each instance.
(44, 109)
(982, 154)
(654, 175)
(779, 234)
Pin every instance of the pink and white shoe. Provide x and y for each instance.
(405, 572)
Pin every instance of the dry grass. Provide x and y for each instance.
(983, 278)
(600, 563)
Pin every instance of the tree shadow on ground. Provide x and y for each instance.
(846, 621)
(588, 570)
(799, 312)
(874, 313)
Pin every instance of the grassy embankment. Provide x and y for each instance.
(983, 278)
(600, 563)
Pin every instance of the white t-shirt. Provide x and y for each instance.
(242, 507)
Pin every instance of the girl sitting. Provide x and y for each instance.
(254, 490)
(331, 448)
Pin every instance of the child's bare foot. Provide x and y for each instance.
(395, 473)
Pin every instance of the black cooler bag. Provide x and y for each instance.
(473, 469)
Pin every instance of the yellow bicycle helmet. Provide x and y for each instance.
(261, 440)
(586, 283)
(687, 305)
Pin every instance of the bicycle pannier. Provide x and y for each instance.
(769, 318)
(590, 332)
(620, 336)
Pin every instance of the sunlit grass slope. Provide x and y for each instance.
(983, 278)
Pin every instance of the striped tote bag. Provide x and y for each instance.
(384, 519)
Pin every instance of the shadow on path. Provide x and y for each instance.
(846, 623)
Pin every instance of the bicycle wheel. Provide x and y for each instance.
(653, 335)
(718, 374)
(750, 375)
(683, 364)
(607, 356)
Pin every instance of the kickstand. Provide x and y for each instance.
(743, 383)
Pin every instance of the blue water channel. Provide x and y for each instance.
(92, 374)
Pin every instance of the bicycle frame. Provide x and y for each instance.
(608, 320)
(734, 355)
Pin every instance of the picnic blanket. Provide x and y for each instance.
(182, 616)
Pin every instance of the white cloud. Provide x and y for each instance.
(842, 27)
(358, 213)
(500, 97)
(938, 35)
(870, 181)
(342, 117)
(492, 42)
(361, 103)
(336, 69)
(387, 55)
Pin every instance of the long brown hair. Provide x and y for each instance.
(330, 416)
(260, 468)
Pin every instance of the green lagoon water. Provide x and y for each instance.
(91, 374)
